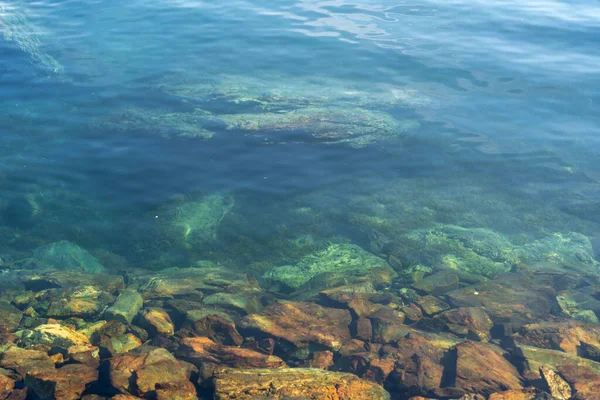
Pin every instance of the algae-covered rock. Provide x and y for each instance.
(126, 307)
(67, 256)
(191, 282)
(193, 223)
(471, 250)
(53, 335)
(161, 122)
(294, 383)
(356, 126)
(571, 251)
(344, 260)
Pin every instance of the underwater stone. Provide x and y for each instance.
(128, 304)
(301, 323)
(193, 223)
(483, 369)
(157, 322)
(67, 256)
(53, 335)
(294, 383)
(67, 382)
(344, 260)
(557, 386)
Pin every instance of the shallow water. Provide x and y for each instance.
(313, 122)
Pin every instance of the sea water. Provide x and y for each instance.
(434, 135)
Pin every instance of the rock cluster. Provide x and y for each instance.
(212, 332)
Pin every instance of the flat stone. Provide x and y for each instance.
(126, 307)
(572, 337)
(243, 303)
(23, 361)
(208, 355)
(67, 382)
(482, 369)
(301, 383)
(438, 283)
(301, 323)
(53, 335)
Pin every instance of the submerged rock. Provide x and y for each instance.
(483, 369)
(146, 371)
(126, 307)
(301, 324)
(301, 383)
(193, 223)
(67, 382)
(209, 356)
(346, 261)
(53, 335)
(67, 256)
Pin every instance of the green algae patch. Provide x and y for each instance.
(347, 261)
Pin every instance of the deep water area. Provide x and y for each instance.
(307, 199)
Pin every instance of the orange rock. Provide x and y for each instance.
(570, 336)
(305, 383)
(301, 323)
(66, 383)
(142, 372)
(208, 355)
(482, 368)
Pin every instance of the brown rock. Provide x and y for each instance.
(412, 312)
(570, 336)
(310, 384)
(321, 360)
(362, 329)
(207, 355)
(157, 322)
(301, 323)
(556, 385)
(513, 299)
(23, 361)
(140, 373)
(66, 383)
(438, 283)
(469, 322)
(176, 391)
(388, 325)
(525, 394)
(417, 364)
(10, 317)
(432, 305)
(482, 368)
(218, 329)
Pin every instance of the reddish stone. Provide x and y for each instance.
(483, 369)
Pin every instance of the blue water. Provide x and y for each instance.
(496, 104)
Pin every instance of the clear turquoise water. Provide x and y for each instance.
(495, 106)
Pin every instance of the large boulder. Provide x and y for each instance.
(67, 256)
(296, 383)
(345, 261)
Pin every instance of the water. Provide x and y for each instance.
(313, 122)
